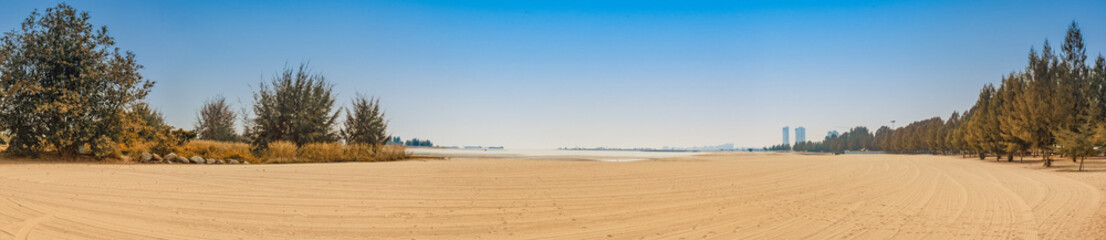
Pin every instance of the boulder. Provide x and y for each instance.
(146, 157)
(232, 161)
(170, 156)
(196, 160)
(155, 157)
(209, 161)
(179, 159)
(245, 162)
(220, 162)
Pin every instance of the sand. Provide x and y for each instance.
(735, 196)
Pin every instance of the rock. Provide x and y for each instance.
(245, 162)
(171, 156)
(197, 160)
(179, 159)
(209, 161)
(156, 157)
(220, 162)
(146, 157)
(232, 161)
(125, 158)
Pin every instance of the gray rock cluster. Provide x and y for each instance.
(173, 158)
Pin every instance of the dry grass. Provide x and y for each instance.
(217, 150)
(332, 152)
(391, 153)
(204, 148)
(280, 152)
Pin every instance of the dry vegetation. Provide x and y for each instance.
(280, 152)
(286, 152)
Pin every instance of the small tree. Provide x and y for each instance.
(297, 106)
(64, 86)
(366, 124)
(215, 121)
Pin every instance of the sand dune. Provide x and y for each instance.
(722, 196)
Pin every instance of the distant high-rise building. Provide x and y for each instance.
(832, 133)
(800, 134)
(786, 134)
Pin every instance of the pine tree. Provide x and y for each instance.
(1079, 95)
(296, 106)
(366, 124)
(215, 121)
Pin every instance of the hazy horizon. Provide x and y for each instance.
(551, 74)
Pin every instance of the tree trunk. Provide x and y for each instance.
(982, 156)
(1081, 163)
(1010, 157)
(1048, 160)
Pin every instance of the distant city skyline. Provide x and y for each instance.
(800, 134)
(547, 74)
(786, 133)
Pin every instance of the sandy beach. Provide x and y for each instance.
(723, 196)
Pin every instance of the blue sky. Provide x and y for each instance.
(546, 74)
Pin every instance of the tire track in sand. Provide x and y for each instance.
(734, 196)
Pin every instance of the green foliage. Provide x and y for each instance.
(215, 121)
(366, 124)
(780, 147)
(297, 106)
(1057, 103)
(64, 86)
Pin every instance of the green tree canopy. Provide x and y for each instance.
(64, 86)
(296, 106)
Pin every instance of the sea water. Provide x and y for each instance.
(548, 154)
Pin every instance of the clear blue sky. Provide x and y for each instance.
(546, 74)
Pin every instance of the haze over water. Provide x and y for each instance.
(537, 154)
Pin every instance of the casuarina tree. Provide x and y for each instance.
(296, 106)
(365, 124)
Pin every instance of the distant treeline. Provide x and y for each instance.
(1057, 105)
